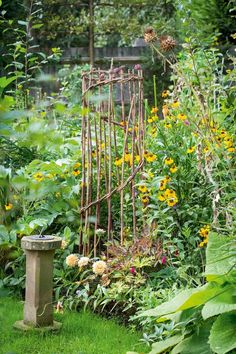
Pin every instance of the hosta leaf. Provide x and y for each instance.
(223, 334)
(195, 344)
(159, 347)
(220, 256)
(186, 299)
(224, 302)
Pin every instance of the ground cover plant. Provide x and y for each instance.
(174, 278)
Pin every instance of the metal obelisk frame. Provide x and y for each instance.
(112, 145)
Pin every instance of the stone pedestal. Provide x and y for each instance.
(38, 309)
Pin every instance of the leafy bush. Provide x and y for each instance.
(204, 317)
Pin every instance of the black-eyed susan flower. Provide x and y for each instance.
(76, 172)
(150, 120)
(145, 199)
(161, 197)
(151, 157)
(137, 158)
(162, 185)
(123, 123)
(168, 161)
(231, 149)
(167, 179)
(143, 189)
(38, 176)
(191, 149)
(169, 193)
(182, 116)
(175, 104)
(168, 125)
(154, 110)
(173, 168)
(118, 161)
(165, 94)
(127, 157)
(203, 243)
(93, 153)
(172, 202)
(8, 206)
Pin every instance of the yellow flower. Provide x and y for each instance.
(173, 168)
(162, 185)
(50, 175)
(137, 158)
(175, 104)
(127, 157)
(154, 110)
(191, 149)
(167, 179)
(203, 243)
(145, 199)
(142, 189)
(150, 174)
(8, 206)
(118, 161)
(204, 231)
(161, 197)
(123, 123)
(75, 172)
(93, 153)
(181, 116)
(169, 161)
(151, 157)
(165, 93)
(72, 260)
(169, 193)
(146, 153)
(154, 118)
(77, 165)
(206, 149)
(231, 149)
(99, 267)
(38, 176)
(167, 125)
(172, 201)
(150, 120)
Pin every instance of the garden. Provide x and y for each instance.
(129, 165)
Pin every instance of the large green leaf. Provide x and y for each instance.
(220, 256)
(159, 347)
(224, 302)
(223, 334)
(185, 300)
(197, 343)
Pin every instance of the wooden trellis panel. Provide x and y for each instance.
(112, 146)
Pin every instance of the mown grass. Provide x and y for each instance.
(82, 333)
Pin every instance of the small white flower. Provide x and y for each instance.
(83, 261)
(100, 232)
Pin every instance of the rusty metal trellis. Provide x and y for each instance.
(112, 147)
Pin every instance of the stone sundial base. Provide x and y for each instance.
(56, 326)
(38, 308)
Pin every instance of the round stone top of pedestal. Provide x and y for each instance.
(36, 243)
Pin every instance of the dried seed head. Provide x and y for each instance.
(167, 43)
(150, 35)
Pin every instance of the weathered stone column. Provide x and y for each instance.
(38, 309)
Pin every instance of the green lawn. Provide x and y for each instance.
(82, 333)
